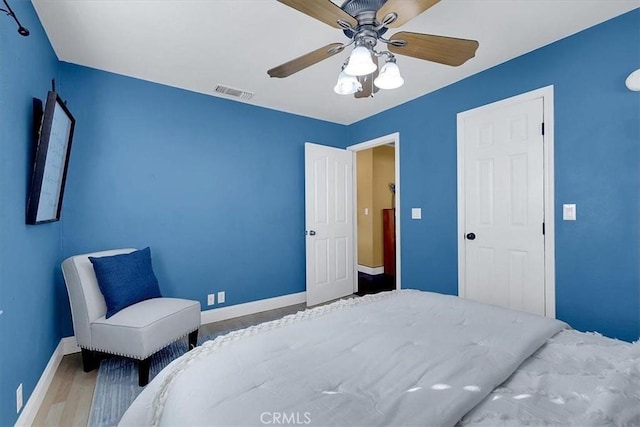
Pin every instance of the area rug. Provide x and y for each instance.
(117, 383)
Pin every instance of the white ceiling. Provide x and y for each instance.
(198, 44)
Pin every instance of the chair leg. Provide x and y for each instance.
(89, 360)
(143, 371)
(193, 339)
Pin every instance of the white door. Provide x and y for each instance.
(329, 222)
(504, 206)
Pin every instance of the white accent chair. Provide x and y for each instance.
(137, 331)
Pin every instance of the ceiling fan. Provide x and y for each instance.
(365, 22)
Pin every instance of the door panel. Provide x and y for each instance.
(321, 266)
(485, 191)
(329, 223)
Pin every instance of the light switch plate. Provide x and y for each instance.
(416, 213)
(569, 212)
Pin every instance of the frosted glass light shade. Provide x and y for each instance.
(633, 81)
(389, 77)
(347, 84)
(360, 62)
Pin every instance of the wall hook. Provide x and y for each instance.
(21, 30)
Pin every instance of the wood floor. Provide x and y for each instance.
(68, 400)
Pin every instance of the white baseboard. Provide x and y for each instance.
(30, 410)
(69, 345)
(373, 271)
(224, 313)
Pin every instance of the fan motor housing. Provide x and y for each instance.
(363, 10)
(354, 7)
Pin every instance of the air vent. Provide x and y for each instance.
(236, 93)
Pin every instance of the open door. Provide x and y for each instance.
(329, 223)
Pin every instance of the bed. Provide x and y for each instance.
(399, 358)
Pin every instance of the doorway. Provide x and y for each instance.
(331, 218)
(505, 203)
(376, 208)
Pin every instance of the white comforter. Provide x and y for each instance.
(575, 379)
(399, 358)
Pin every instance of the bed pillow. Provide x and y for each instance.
(125, 279)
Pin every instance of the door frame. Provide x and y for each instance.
(546, 93)
(393, 138)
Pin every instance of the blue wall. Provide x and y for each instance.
(214, 187)
(597, 166)
(29, 255)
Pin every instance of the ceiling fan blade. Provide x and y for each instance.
(368, 87)
(444, 50)
(322, 10)
(405, 9)
(304, 61)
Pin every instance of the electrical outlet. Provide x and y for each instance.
(211, 299)
(19, 398)
(221, 297)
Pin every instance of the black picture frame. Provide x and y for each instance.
(53, 139)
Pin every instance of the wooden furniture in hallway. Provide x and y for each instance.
(389, 241)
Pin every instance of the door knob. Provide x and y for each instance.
(312, 233)
(471, 236)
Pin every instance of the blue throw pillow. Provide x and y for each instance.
(125, 279)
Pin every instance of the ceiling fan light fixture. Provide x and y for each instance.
(389, 77)
(364, 22)
(347, 84)
(360, 62)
